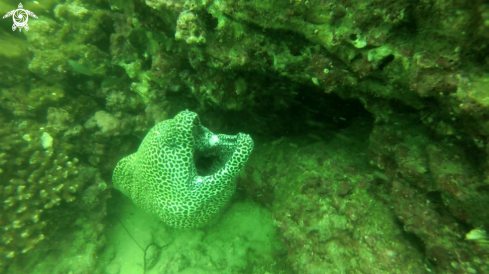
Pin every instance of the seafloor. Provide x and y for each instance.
(370, 121)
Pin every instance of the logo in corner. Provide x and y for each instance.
(20, 16)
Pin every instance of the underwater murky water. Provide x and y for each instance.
(233, 136)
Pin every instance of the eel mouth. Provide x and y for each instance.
(215, 152)
(206, 164)
(211, 151)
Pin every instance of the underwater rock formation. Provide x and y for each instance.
(95, 76)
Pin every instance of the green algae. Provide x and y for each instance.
(419, 68)
(79, 68)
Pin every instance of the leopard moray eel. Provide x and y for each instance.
(182, 172)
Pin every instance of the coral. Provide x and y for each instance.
(47, 188)
(99, 78)
(57, 44)
(182, 172)
(107, 123)
(38, 175)
(42, 166)
(174, 4)
(189, 29)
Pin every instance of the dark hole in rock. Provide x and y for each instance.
(386, 61)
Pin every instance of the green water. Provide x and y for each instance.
(367, 123)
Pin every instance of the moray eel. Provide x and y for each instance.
(182, 172)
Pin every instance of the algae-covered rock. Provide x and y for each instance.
(323, 201)
(89, 79)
